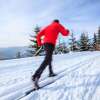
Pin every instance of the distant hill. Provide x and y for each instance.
(12, 52)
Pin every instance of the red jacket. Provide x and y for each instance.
(50, 33)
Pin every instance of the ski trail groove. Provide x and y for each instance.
(20, 92)
(88, 62)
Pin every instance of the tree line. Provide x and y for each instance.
(84, 43)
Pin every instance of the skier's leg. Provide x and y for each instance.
(40, 69)
(38, 73)
(46, 61)
(50, 69)
(51, 73)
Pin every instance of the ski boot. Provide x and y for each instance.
(35, 82)
(52, 74)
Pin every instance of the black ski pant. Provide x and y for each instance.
(49, 48)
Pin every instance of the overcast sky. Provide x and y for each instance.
(18, 17)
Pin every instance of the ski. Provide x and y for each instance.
(42, 86)
(46, 82)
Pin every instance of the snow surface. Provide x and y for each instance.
(78, 78)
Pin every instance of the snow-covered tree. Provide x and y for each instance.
(61, 48)
(34, 46)
(98, 36)
(84, 42)
(73, 42)
(97, 40)
(94, 41)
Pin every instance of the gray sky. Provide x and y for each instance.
(18, 17)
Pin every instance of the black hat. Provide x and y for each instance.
(56, 20)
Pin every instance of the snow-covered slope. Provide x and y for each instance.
(78, 78)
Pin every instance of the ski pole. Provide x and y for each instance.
(38, 51)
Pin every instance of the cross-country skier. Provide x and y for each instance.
(50, 34)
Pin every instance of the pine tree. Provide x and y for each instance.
(84, 42)
(59, 47)
(95, 41)
(98, 40)
(34, 46)
(73, 42)
(98, 37)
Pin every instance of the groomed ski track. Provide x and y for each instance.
(79, 80)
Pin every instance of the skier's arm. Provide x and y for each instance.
(40, 34)
(64, 32)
